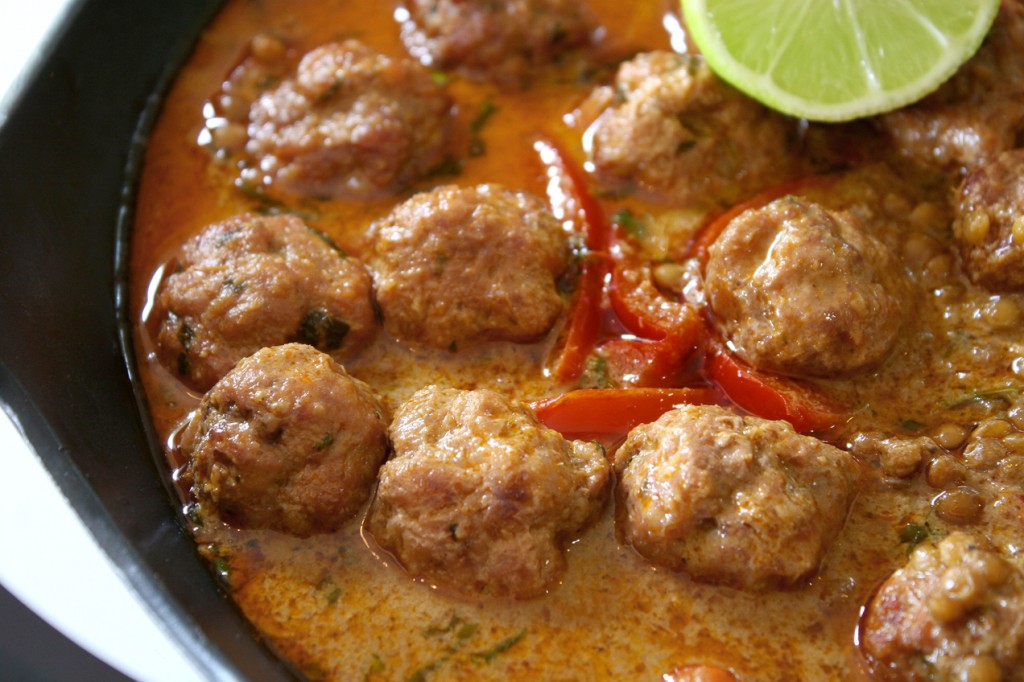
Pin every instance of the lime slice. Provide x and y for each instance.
(835, 60)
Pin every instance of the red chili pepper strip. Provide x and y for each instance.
(568, 194)
(584, 325)
(648, 313)
(644, 363)
(643, 309)
(616, 411)
(569, 197)
(770, 396)
(670, 330)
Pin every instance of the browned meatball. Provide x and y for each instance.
(288, 441)
(250, 282)
(351, 123)
(954, 612)
(802, 290)
(674, 128)
(739, 501)
(989, 222)
(977, 113)
(502, 40)
(457, 266)
(480, 497)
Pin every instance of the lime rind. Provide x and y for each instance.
(802, 58)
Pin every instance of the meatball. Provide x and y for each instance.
(989, 222)
(250, 282)
(977, 113)
(287, 441)
(500, 40)
(479, 497)
(739, 501)
(457, 266)
(802, 290)
(351, 123)
(955, 611)
(675, 129)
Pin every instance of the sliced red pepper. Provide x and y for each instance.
(670, 330)
(584, 324)
(569, 197)
(770, 396)
(649, 363)
(617, 411)
(643, 309)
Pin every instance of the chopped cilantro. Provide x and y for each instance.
(436, 630)
(487, 110)
(330, 92)
(320, 330)
(477, 146)
(911, 425)
(185, 335)
(983, 396)
(595, 373)
(183, 363)
(499, 648)
(449, 165)
(326, 238)
(914, 534)
(631, 223)
(256, 193)
(222, 568)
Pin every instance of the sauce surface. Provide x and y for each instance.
(342, 609)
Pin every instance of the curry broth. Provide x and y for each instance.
(341, 609)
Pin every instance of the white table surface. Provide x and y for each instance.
(66, 578)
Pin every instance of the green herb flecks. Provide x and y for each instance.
(438, 630)
(331, 91)
(422, 674)
(499, 648)
(595, 373)
(375, 669)
(1006, 393)
(477, 146)
(448, 166)
(631, 223)
(914, 534)
(456, 639)
(222, 569)
(185, 335)
(326, 239)
(233, 285)
(256, 193)
(320, 330)
(911, 425)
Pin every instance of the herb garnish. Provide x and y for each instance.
(322, 331)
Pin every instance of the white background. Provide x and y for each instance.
(49, 561)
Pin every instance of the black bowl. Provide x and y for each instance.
(69, 151)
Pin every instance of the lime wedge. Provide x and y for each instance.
(836, 60)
